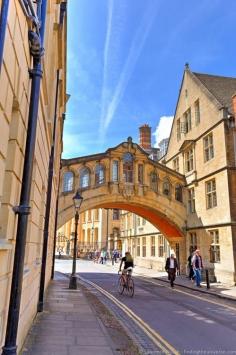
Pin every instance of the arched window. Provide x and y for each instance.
(68, 181)
(99, 174)
(166, 187)
(84, 178)
(128, 168)
(179, 193)
(115, 170)
(153, 181)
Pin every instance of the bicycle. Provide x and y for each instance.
(125, 282)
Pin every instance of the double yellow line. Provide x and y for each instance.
(157, 339)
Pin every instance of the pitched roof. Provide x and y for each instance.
(221, 87)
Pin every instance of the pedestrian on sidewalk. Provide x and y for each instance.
(190, 267)
(197, 267)
(171, 268)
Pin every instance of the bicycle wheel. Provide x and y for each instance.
(130, 287)
(121, 285)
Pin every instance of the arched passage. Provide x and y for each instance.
(145, 194)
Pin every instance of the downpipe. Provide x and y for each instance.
(23, 210)
(48, 204)
(3, 26)
(56, 212)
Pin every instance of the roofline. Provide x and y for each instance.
(67, 162)
(208, 92)
(194, 77)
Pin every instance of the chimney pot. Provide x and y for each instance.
(145, 137)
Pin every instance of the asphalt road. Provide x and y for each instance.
(190, 322)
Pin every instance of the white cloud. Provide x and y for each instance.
(163, 129)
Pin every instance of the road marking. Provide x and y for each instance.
(190, 294)
(151, 333)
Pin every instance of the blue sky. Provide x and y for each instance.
(126, 60)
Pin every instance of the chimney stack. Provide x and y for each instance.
(145, 137)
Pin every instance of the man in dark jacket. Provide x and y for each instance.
(197, 267)
(171, 267)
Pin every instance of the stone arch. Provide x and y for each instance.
(170, 223)
(131, 194)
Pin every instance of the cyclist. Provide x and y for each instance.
(128, 264)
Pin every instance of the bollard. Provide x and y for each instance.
(207, 279)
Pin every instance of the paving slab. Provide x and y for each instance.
(67, 326)
(90, 350)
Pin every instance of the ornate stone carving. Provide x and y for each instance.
(128, 191)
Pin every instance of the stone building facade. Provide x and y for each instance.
(15, 84)
(98, 229)
(202, 146)
(145, 242)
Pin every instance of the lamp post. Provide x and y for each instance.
(77, 199)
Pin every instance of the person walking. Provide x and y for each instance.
(190, 267)
(171, 267)
(197, 267)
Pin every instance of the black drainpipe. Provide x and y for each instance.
(23, 210)
(55, 235)
(56, 213)
(3, 26)
(48, 205)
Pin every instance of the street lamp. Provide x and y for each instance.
(77, 199)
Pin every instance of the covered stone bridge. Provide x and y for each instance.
(124, 177)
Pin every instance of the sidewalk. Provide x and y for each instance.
(68, 325)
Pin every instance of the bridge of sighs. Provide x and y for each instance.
(126, 178)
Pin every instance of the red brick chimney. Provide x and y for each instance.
(234, 105)
(145, 137)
